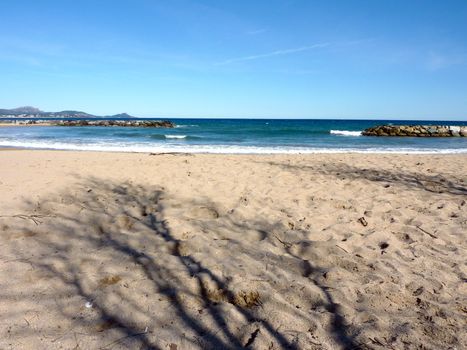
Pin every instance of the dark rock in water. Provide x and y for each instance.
(417, 131)
(127, 123)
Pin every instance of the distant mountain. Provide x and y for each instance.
(74, 114)
(27, 109)
(21, 110)
(32, 112)
(121, 115)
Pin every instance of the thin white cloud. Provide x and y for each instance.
(274, 53)
(437, 61)
(257, 31)
(20, 59)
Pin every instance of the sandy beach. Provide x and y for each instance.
(180, 251)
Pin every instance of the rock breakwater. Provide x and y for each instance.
(128, 123)
(417, 131)
(124, 123)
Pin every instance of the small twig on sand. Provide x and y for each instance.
(77, 343)
(123, 338)
(170, 154)
(428, 233)
(162, 154)
(34, 217)
(342, 248)
(286, 244)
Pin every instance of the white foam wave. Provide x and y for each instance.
(345, 132)
(185, 126)
(175, 136)
(216, 149)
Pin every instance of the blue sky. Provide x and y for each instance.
(214, 58)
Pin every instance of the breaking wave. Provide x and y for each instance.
(218, 149)
(345, 132)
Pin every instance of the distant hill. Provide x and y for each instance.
(74, 114)
(32, 112)
(121, 115)
(25, 109)
(21, 110)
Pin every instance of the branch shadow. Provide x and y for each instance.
(430, 183)
(111, 246)
(344, 337)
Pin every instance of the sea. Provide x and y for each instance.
(234, 136)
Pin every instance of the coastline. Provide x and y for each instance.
(151, 241)
(222, 150)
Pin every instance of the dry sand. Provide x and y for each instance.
(117, 251)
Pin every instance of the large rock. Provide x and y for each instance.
(416, 131)
(455, 130)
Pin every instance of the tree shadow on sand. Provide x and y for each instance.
(430, 183)
(148, 287)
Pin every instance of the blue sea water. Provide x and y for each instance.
(234, 136)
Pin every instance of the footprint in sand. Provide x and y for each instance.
(125, 222)
(204, 213)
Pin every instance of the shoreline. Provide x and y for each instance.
(246, 153)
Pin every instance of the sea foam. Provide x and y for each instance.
(175, 136)
(215, 149)
(345, 132)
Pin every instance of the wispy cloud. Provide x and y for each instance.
(274, 53)
(257, 31)
(20, 59)
(29, 46)
(38, 53)
(437, 61)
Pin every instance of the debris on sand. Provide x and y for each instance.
(109, 280)
(244, 299)
(363, 221)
